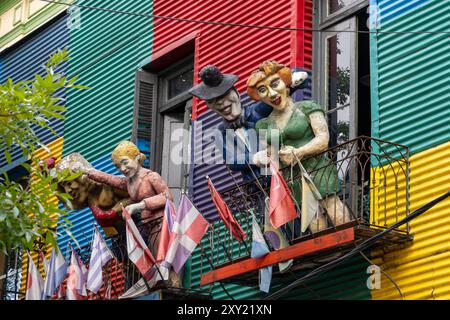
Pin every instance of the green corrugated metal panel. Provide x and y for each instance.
(105, 54)
(5, 5)
(413, 74)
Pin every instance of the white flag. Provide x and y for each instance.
(310, 205)
(35, 283)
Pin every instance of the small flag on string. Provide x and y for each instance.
(225, 213)
(34, 282)
(260, 249)
(100, 256)
(276, 238)
(166, 229)
(281, 206)
(187, 231)
(56, 273)
(76, 286)
(44, 261)
(138, 252)
(310, 199)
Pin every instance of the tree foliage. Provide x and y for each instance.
(28, 209)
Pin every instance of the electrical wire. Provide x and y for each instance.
(251, 26)
(386, 274)
(363, 246)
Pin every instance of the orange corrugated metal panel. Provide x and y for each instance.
(422, 269)
(234, 49)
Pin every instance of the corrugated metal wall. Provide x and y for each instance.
(106, 52)
(413, 73)
(422, 269)
(25, 59)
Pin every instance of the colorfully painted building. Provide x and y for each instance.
(386, 82)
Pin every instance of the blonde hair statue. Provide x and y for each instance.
(129, 149)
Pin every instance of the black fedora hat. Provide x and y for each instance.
(215, 83)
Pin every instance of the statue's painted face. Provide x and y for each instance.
(273, 91)
(127, 166)
(227, 106)
(78, 189)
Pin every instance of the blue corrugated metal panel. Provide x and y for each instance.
(83, 220)
(26, 58)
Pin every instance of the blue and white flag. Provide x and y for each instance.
(260, 249)
(56, 273)
(99, 257)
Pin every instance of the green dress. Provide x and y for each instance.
(297, 133)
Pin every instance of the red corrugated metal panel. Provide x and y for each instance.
(116, 274)
(301, 43)
(235, 49)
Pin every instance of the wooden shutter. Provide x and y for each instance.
(144, 112)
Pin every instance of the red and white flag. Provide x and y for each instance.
(76, 281)
(138, 252)
(166, 230)
(188, 230)
(225, 213)
(281, 206)
(35, 284)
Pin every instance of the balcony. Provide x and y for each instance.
(374, 186)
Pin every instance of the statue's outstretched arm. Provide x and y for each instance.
(109, 179)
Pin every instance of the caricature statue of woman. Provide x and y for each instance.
(146, 188)
(302, 131)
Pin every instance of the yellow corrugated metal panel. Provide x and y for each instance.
(388, 194)
(54, 150)
(422, 269)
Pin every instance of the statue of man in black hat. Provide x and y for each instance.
(239, 137)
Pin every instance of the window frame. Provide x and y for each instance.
(331, 23)
(164, 103)
(19, 7)
(341, 14)
(323, 72)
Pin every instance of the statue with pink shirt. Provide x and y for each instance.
(148, 192)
